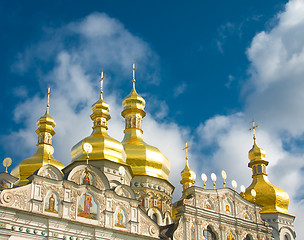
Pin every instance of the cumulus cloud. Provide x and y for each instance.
(273, 95)
(76, 53)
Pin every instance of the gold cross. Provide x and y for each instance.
(186, 148)
(48, 96)
(102, 77)
(253, 129)
(133, 70)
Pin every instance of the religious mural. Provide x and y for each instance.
(192, 231)
(87, 207)
(50, 175)
(230, 236)
(227, 207)
(247, 216)
(208, 205)
(87, 178)
(120, 218)
(51, 203)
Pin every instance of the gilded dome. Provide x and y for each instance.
(104, 146)
(272, 198)
(143, 158)
(44, 152)
(188, 177)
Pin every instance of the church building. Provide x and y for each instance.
(115, 189)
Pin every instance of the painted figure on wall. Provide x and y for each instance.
(230, 236)
(87, 204)
(227, 207)
(192, 232)
(87, 207)
(51, 203)
(208, 205)
(86, 179)
(120, 218)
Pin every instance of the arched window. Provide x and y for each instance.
(154, 217)
(247, 237)
(286, 236)
(209, 234)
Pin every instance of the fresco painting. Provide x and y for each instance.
(51, 203)
(87, 207)
(121, 218)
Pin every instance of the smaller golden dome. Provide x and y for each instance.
(272, 198)
(188, 176)
(43, 154)
(104, 146)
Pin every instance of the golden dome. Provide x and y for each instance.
(272, 198)
(104, 146)
(143, 159)
(188, 176)
(43, 154)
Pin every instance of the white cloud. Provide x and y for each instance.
(274, 96)
(180, 89)
(101, 42)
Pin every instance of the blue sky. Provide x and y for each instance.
(205, 68)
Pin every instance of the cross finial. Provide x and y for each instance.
(253, 129)
(133, 71)
(186, 148)
(102, 77)
(48, 99)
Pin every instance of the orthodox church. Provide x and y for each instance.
(121, 190)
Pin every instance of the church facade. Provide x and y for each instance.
(121, 190)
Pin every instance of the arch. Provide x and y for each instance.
(125, 191)
(209, 233)
(287, 236)
(87, 206)
(248, 237)
(51, 203)
(156, 214)
(287, 231)
(50, 171)
(77, 173)
(168, 218)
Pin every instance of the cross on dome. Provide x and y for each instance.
(186, 148)
(133, 71)
(253, 129)
(102, 77)
(48, 98)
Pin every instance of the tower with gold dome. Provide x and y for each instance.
(45, 150)
(107, 153)
(274, 201)
(188, 176)
(150, 168)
